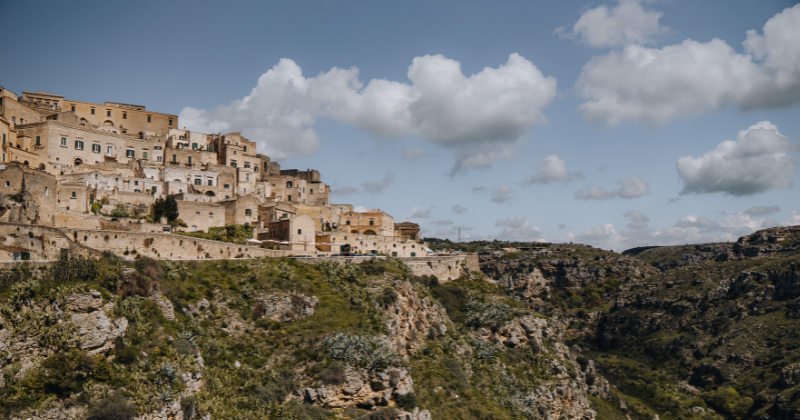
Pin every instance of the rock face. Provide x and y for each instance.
(285, 308)
(412, 318)
(97, 331)
(565, 395)
(360, 388)
(85, 314)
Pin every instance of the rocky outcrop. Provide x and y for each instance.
(96, 330)
(361, 388)
(285, 308)
(411, 319)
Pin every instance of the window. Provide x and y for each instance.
(64, 141)
(197, 213)
(130, 153)
(4, 139)
(110, 150)
(174, 158)
(394, 254)
(312, 191)
(194, 146)
(210, 182)
(92, 111)
(255, 169)
(247, 165)
(135, 182)
(290, 198)
(74, 194)
(73, 108)
(124, 115)
(38, 140)
(413, 254)
(245, 148)
(227, 185)
(108, 113)
(198, 181)
(299, 231)
(8, 184)
(158, 158)
(78, 145)
(194, 228)
(190, 160)
(248, 212)
(288, 184)
(233, 164)
(96, 148)
(210, 214)
(348, 223)
(144, 155)
(21, 121)
(148, 118)
(246, 177)
(372, 223)
(170, 121)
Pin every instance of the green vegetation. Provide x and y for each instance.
(238, 234)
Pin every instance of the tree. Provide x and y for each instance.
(166, 207)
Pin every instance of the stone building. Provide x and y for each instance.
(60, 156)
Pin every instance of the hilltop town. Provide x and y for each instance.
(121, 178)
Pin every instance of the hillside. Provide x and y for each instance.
(548, 332)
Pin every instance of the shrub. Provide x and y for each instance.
(369, 352)
(481, 314)
(311, 412)
(115, 407)
(387, 297)
(407, 402)
(456, 372)
(388, 413)
(189, 407)
(275, 388)
(728, 401)
(63, 373)
(333, 375)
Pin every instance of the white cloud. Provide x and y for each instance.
(457, 209)
(687, 230)
(503, 194)
(417, 213)
(762, 210)
(479, 118)
(379, 187)
(518, 228)
(626, 23)
(630, 187)
(793, 220)
(551, 169)
(442, 223)
(653, 85)
(754, 163)
(412, 153)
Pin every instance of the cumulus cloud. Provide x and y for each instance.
(479, 118)
(626, 23)
(417, 213)
(378, 187)
(551, 169)
(653, 85)
(457, 209)
(756, 211)
(756, 162)
(630, 187)
(688, 229)
(518, 228)
(412, 152)
(793, 220)
(503, 194)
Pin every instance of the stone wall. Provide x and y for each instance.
(41, 242)
(76, 220)
(445, 268)
(163, 246)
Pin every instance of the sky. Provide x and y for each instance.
(612, 123)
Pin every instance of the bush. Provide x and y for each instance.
(407, 402)
(389, 413)
(728, 401)
(115, 407)
(311, 412)
(481, 314)
(63, 373)
(369, 352)
(456, 372)
(333, 375)
(387, 297)
(189, 407)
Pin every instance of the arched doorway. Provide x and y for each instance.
(41, 166)
(78, 162)
(370, 232)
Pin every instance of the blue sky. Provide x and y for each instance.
(603, 122)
